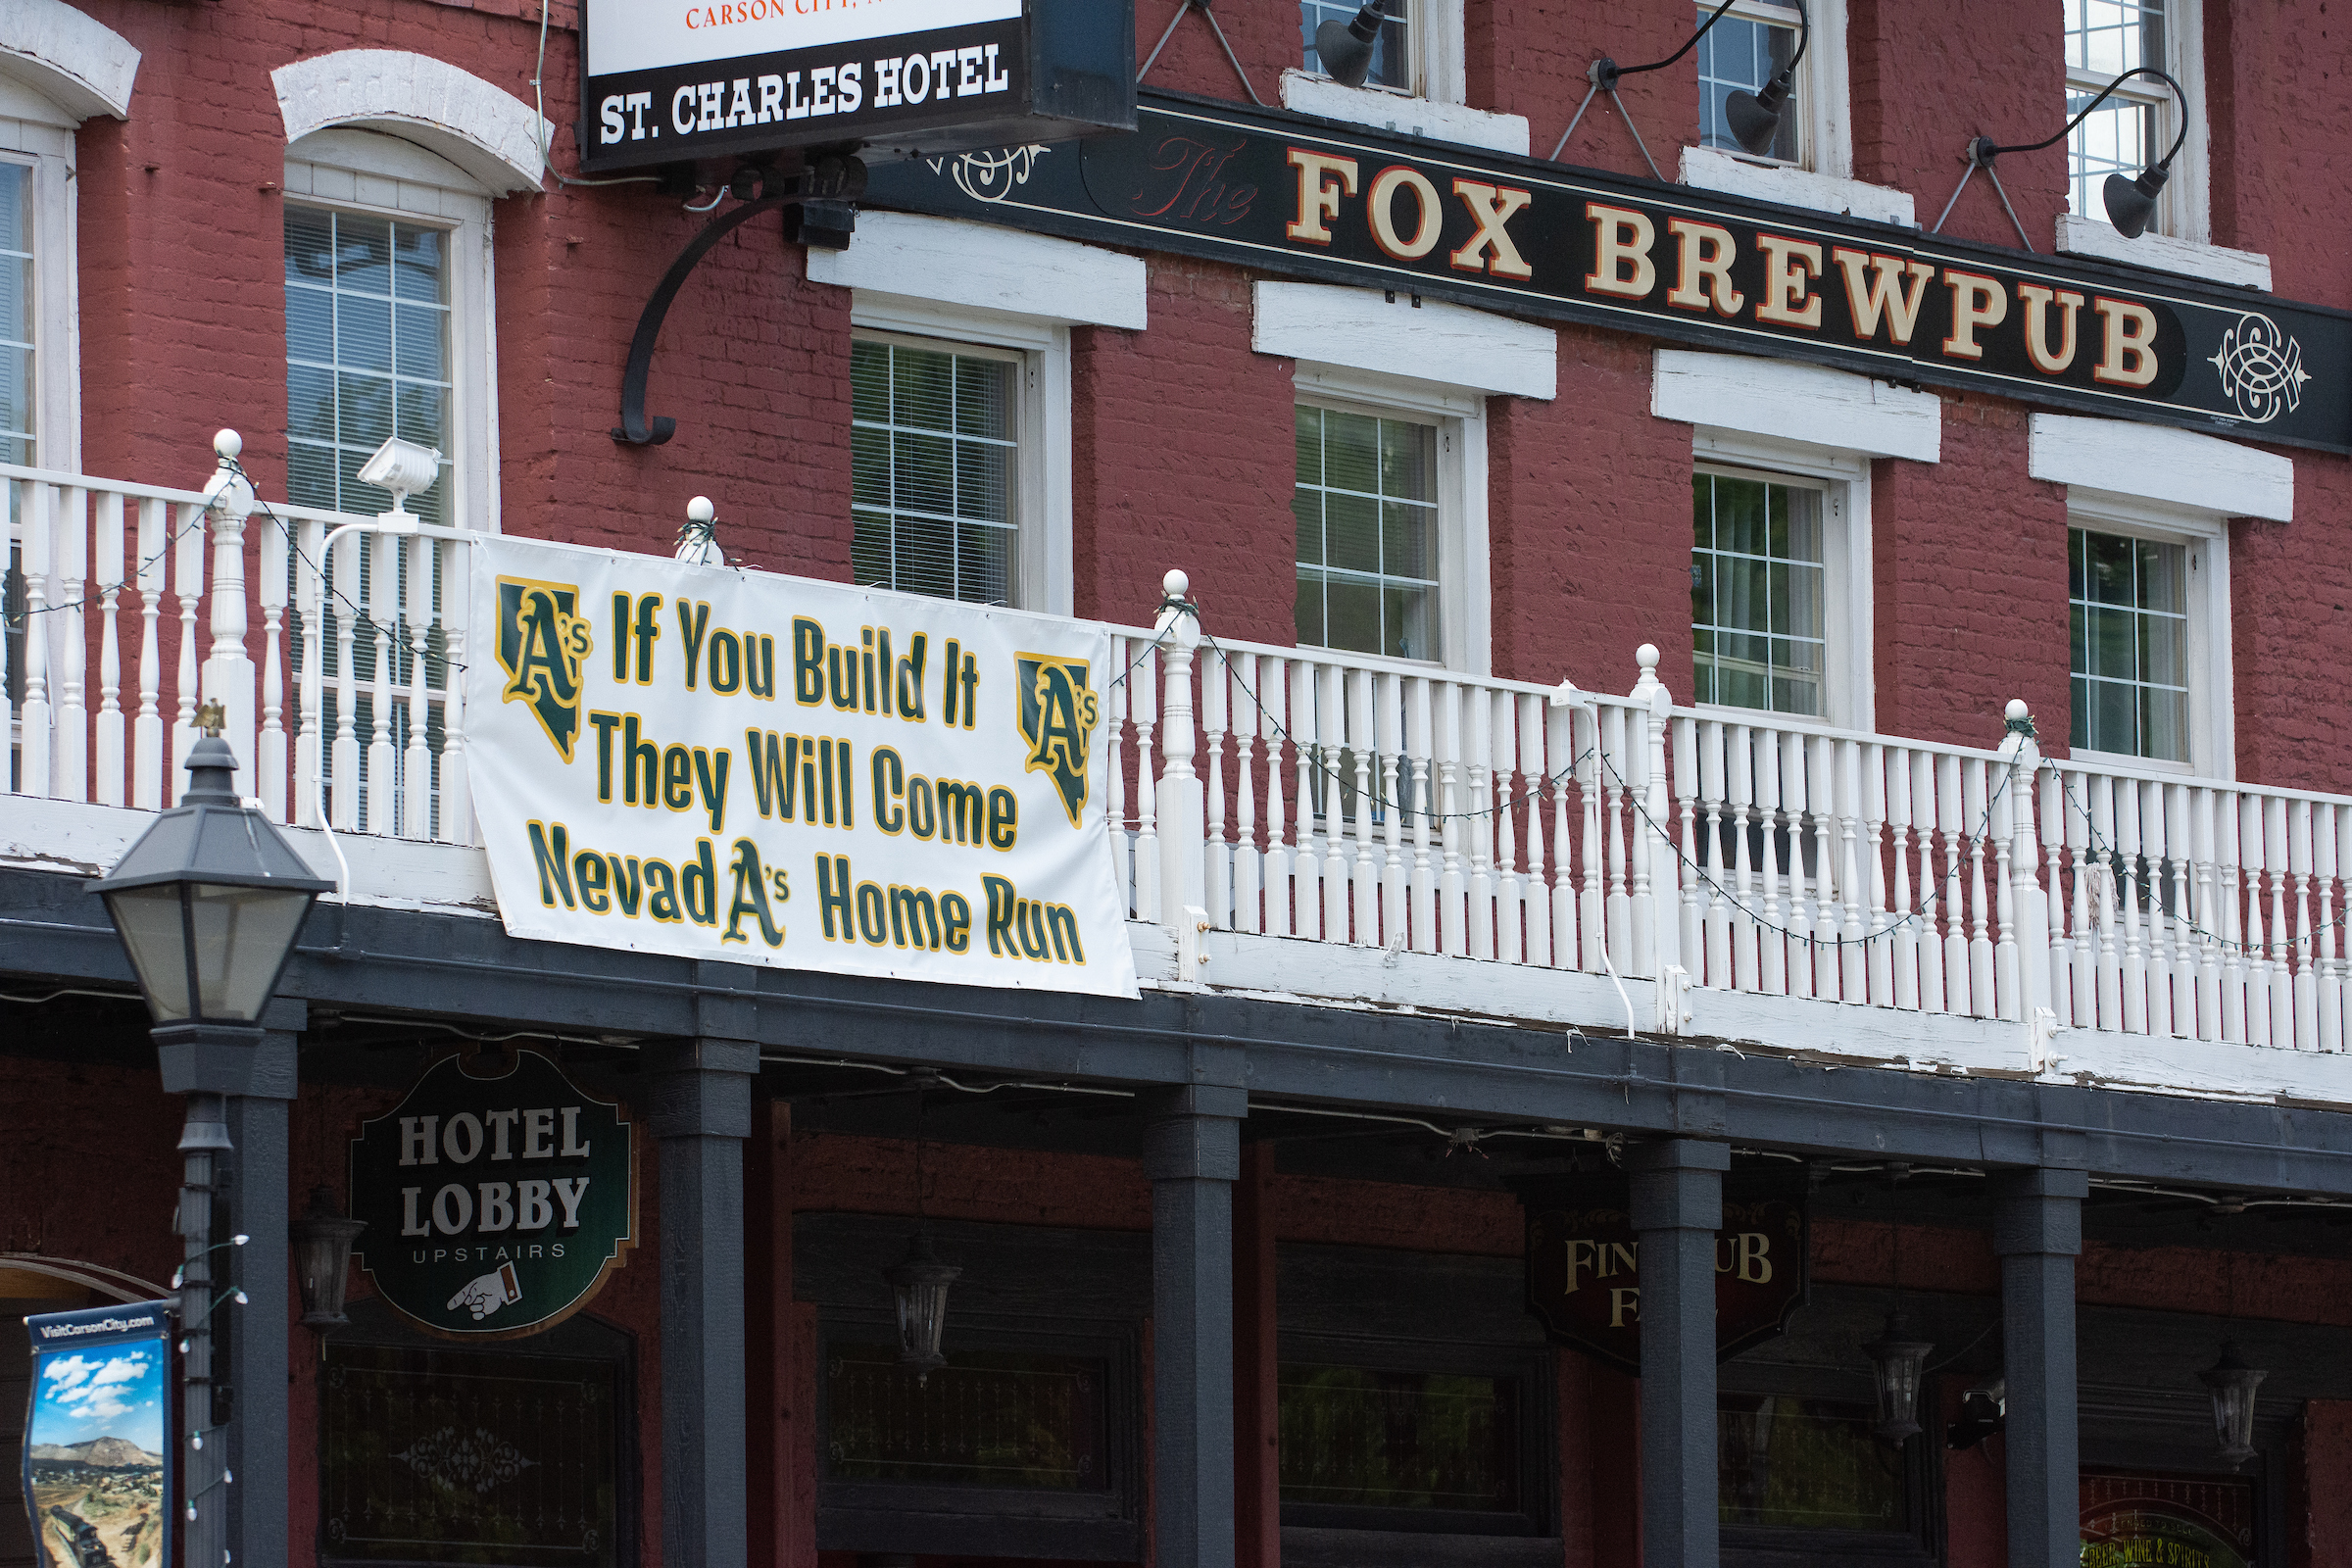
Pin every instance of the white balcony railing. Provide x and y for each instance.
(1293, 793)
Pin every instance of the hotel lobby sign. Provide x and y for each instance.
(1584, 1268)
(498, 1197)
(1287, 194)
(717, 763)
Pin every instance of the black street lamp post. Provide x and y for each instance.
(208, 903)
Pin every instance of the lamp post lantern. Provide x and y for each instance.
(208, 903)
(2232, 1382)
(1897, 1360)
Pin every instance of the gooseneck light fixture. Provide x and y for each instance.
(2130, 203)
(1346, 48)
(2232, 1382)
(1754, 118)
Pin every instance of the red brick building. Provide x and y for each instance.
(2046, 1026)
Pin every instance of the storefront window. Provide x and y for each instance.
(990, 1418)
(2199, 1521)
(1366, 1438)
(1806, 1464)
(468, 1456)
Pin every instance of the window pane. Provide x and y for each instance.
(2129, 631)
(932, 456)
(1757, 594)
(1741, 55)
(988, 1418)
(16, 390)
(1808, 1464)
(2105, 38)
(1367, 533)
(360, 369)
(1359, 1437)
(1390, 53)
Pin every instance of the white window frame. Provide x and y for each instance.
(1435, 64)
(1043, 566)
(1824, 133)
(2211, 716)
(383, 177)
(2183, 211)
(36, 133)
(1848, 684)
(1465, 602)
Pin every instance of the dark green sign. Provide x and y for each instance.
(498, 1195)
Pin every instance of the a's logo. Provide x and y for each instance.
(541, 641)
(1057, 712)
(2262, 368)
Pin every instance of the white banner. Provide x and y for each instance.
(645, 35)
(732, 764)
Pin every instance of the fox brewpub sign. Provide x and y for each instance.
(498, 1195)
(1289, 194)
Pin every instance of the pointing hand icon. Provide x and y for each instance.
(487, 1294)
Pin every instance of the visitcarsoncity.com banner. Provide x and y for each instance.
(729, 764)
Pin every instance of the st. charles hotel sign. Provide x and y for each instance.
(1288, 194)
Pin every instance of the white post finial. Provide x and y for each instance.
(1176, 622)
(228, 444)
(698, 541)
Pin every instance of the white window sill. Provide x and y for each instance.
(2162, 253)
(1708, 168)
(1407, 117)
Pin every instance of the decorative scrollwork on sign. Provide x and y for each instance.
(480, 1459)
(991, 177)
(2261, 368)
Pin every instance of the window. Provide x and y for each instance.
(368, 353)
(17, 384)
(1378, 1438)
(1758, 593)
(935, 449)
(1792, 1463)
(1391, 53)
(2128, 599)
(2135, 1517)
(2138, 122)
(1366, 504)
(1752, 44)
(1400, 1436)
(989, 1418)
(388, 310)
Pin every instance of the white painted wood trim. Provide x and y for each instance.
(2212, 678)
(1431, 118)
(1042, 493)
(1823, 408)
(1359, 329)
(2179, 468)
(490, 133)
(365, 171)
(983, 266)
(77, 62)
(2162, 253)
(1712, 168)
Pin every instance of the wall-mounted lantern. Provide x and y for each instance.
(322, 1240)
(2232, 1382)
(1895, 1362)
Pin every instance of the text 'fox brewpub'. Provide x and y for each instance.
(1278, 785)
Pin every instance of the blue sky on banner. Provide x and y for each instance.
(80, 1395)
